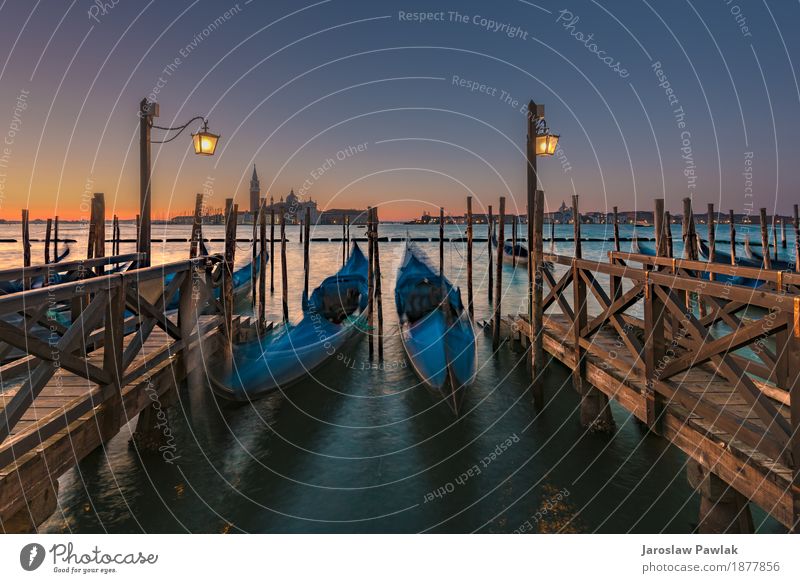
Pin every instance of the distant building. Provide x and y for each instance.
(294, 209)
(255, 192)
(338, 216)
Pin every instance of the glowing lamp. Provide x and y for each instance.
(205, 143)
(546, 144)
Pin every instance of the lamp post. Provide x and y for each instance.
(205, 144)
(540, 142)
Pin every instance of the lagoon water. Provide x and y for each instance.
(364, 448)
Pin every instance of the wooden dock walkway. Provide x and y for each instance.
(122, 353)
(709, 364)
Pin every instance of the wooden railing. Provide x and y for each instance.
(132, 302)
(688, 321)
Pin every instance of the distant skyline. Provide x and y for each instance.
(406, 105)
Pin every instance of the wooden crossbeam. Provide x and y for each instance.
(557, 292)
(776, 424)
(44, 371)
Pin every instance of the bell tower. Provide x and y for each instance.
(255, 191)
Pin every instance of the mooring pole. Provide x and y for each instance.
(616, 230)
(229, 257)
(55, 238)
(498, 294)
(92, 230)
(658, 224)
(441, 242)
(378, 288)
(26, 245)
(491, 275)
(783, 233)
(47, 234)
(796, 239)
(514, 240)
(775, 237)
(371, 283)
(348, 234)
(765, 239)
(262, 264)
(470, 298)
(271, 245)
(668, 233)
(732, 222)
(100, 228)
(284, 282)
(578, 301)
(253, 264)
(712, 237)
(306, 259)
(344, 241)
(195, 240)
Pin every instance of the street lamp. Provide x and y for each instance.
(205, 144)
(540, 143)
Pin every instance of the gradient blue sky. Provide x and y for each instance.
(291, 84)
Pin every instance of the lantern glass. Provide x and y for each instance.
(546, 144)
(205, 143)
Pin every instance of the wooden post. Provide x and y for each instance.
(306, 260)
(578, 305)
(774, 238)
(792, 385)
(195, 240)
(470, 298)
(147, 112)
(616, 230)
(262, 265)
(722, 508)
(712, 237)
(92, 230)
(114, 332)
(765, 239)
(254, 262)
(668, 234)
(100, 229)
(796, 239)
(732, 222)
(371, 283)
(658, 224)
(552, 232)
(348, 234)
(441, 242)
(491, 275)
(302, 229)
(26, 245)
(231, 220)
(514, 240)
(689, 242)
(654, 349)
(284, 281)
(47, 235)
(271, 246)
(344, 241)
(378, 287)
(498, 294)
(783, 233)
(536, 299)
(55, 238)
(138, 228)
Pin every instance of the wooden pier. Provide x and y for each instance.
(78, 378)
(711, 366)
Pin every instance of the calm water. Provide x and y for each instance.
(365, 449)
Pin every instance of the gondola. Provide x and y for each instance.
(336, 311)
(510, 251)
(435, 329)
(16, 285)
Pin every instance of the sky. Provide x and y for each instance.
(409, 105)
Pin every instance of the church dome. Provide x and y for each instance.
(292, 198)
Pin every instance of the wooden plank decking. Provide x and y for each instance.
(766, 482)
